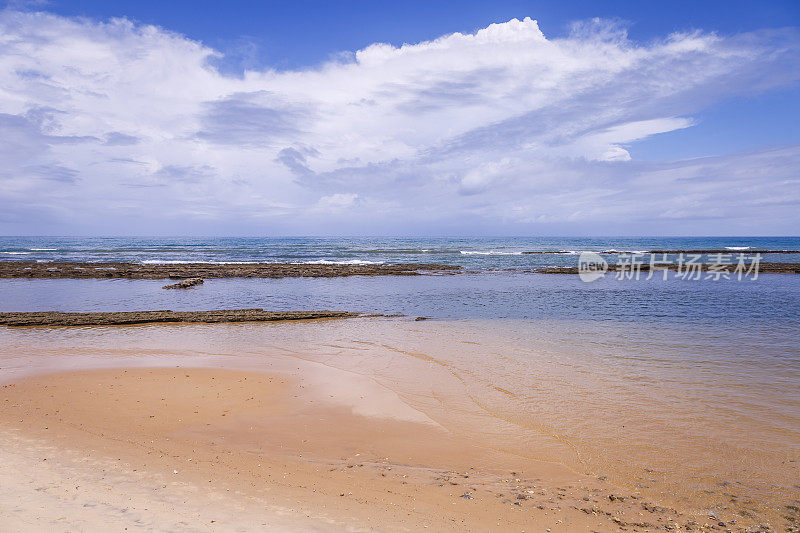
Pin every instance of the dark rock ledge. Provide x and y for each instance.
(56, 318)
(763, 268)
(30, 269)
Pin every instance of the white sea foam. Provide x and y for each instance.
(314, 262)
(489, 252)
(348, 262)
(737, 247)
(167, 262)
(42, 249)
(17, 253)
(184, 262)
(564, 252)
(614, 251)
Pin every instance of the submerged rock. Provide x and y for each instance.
(185, 284)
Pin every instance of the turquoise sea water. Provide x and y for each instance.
(496, 287)
(471, 253)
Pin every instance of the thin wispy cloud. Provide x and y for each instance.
(503, 128)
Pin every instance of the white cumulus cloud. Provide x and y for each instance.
(116, 127)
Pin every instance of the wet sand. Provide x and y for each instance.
(201, 442)
(171, 427)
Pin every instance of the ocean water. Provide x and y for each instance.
(470, 253)
(769, 302)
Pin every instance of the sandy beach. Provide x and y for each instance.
(228, 427)
(156, 447)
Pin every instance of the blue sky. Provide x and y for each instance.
(292, 118)
(292, 34)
